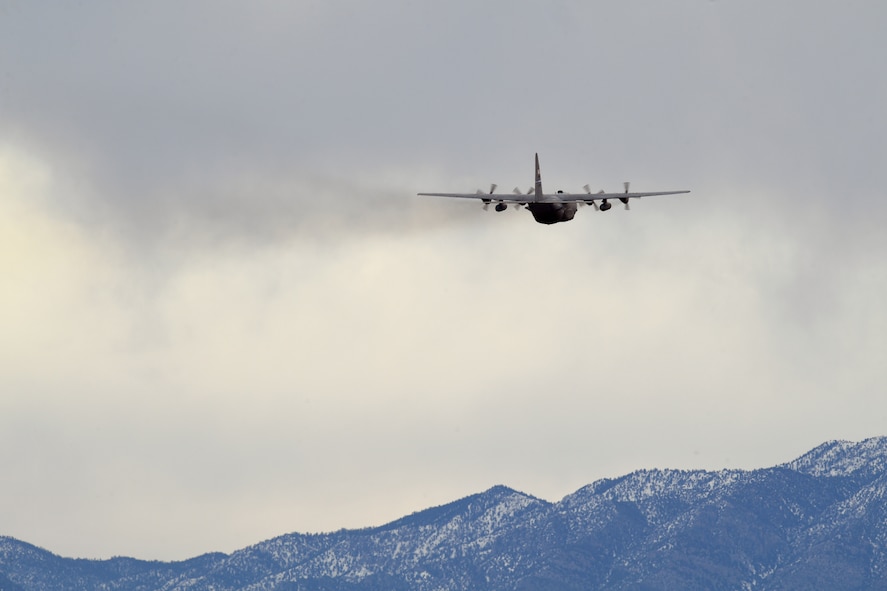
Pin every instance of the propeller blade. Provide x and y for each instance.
(587, 189)
(530, 191)
(626, 184)
(627, 207)
(486, 205)
(517, 191)
(493, 188)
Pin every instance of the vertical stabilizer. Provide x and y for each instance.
(539, 193)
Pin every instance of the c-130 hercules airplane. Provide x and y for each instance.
(551, 208)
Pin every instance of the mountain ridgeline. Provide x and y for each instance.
(819, 522)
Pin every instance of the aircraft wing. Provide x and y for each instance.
(551, 197)
(589, 197)
(509, 197)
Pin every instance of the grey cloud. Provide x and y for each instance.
(158, 100)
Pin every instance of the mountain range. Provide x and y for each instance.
(819, 522)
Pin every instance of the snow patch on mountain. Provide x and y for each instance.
(844, 458)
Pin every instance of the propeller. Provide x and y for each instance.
(593, 203)
(487, 201)
(517, 206)
(624, 200)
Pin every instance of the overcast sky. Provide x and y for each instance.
(225, 315)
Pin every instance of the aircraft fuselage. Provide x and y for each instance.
(552, 213)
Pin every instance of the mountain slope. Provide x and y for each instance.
(817, 522)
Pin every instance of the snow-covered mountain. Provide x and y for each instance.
(819, 522)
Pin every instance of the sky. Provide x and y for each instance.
(225, 315)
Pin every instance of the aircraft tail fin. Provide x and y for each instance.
(539, 193)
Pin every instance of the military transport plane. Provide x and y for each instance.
(551, 208)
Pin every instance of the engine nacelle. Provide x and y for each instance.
(501, 207)
(605, 205)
